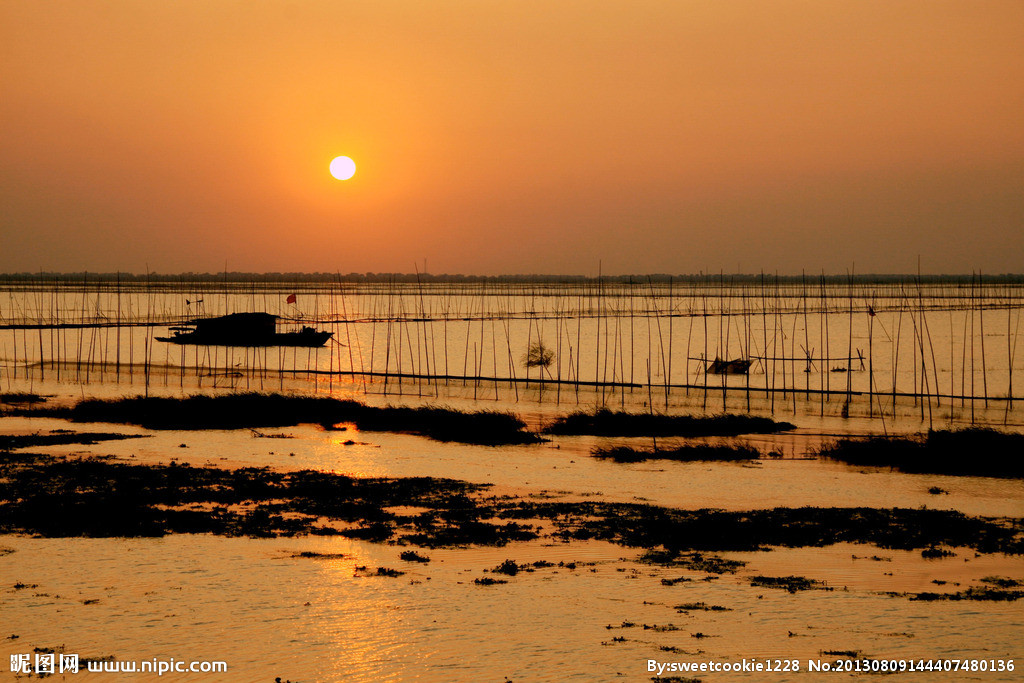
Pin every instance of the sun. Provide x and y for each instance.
(343, 168)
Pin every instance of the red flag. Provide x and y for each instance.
(290, 299)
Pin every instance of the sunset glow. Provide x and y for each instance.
(672, 137)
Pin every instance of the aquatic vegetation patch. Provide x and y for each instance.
(967, 452)
(700, 607)
(60, 497)
(669, 532)
(981, 594)
(1002, 581)
(604, 422)
(508, 567)
(488, 581)
(675, 581)
(698, 562)
(56, 496)
(413, 556)
(386, 572)
(789, 583)
(256, 410)
(686, 453)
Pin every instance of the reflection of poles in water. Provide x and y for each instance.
(447, 303)
(632, 346)
(792, 363)
(39, 308)
(558, 351)
(764, 337)
(508, 348)
(579, 345)
(973, 304)
(925, 386)
(704, 298)
(746, 343)
(981, 326)
(824, 381)
(480, 349)
(896, 353)
(1009, 359)
(849, 347)
(723, 348)
(871, 361)
(117, 360)
(387, 345)
(689, 337)
(494, 363)
(1011, 350)
(779, 332)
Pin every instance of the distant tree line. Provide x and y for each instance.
(659, 278)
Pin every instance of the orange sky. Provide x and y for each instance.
(512, 137)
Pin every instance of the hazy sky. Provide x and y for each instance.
(512, 137)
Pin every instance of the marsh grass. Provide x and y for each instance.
(605, 422)
(969, 452)
(256, 410)
(686, 453)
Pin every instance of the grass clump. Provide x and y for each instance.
(21, 397)
(980, 594)
(508, 568)
(255, 410)
(488, 581)
(789, 583)
(700, 607)
(605, 422)
(687, 453)
(412, 556)
(968, 452)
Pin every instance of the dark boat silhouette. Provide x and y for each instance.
(242, 329)
(740, 366)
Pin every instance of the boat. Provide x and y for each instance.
(740, 366)
(242, 329)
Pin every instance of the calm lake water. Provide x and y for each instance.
(252, 604)
(938, 353)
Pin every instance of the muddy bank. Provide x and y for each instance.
(678, 531)
(972, 452)
(56, 496)
(20, 398)
(59, 437)
(617, 423)
(255, 410)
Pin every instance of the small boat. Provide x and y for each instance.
(242, 329)
(740, 366)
